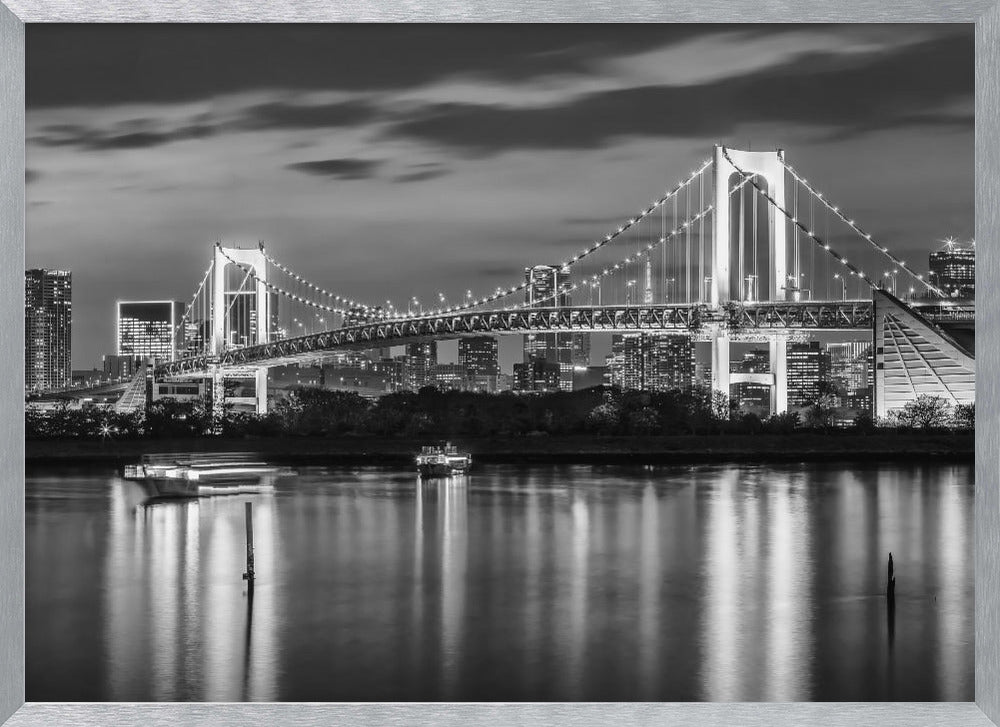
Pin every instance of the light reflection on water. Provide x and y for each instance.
(542, 583)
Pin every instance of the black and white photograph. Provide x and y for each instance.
(499, 363)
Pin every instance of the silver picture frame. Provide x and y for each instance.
(986, 708)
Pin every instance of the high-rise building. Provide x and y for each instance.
(149, 328)
(479, 355)
(536, 374)
(48, 328)
(851, 372)
(953, 269)
(627, 362)
(449, 376)
(669, 362)
(807, 365)
(651, 362)
(420, 360)
(548, 286)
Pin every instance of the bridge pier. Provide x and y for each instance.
(778, 362)
(720, 362)
(722, 377)
(261, 390)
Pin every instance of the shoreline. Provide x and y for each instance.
(681, 449)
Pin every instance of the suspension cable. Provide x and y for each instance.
(194, 298)
(857, 229)
(811, 233)
(305, 283)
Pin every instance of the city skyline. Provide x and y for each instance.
(377, 175)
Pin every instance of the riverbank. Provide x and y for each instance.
(801, 446)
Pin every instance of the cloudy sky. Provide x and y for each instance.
(391, 161)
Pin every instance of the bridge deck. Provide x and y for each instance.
(843, 315)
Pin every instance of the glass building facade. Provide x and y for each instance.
(48, 329)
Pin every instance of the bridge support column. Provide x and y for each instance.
(216, 386)
(720, 363)
(778, 357)
(261, 390)
(769, 166)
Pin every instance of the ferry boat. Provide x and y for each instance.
(200, 475)
(443, 461)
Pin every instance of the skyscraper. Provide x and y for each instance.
(149, 329)
(627, 362)
(651, 362)
(669, 362)
(548, 286)
(48, 328)
(953, 269)
(479, 356)
(420, 360)
(851, 373)
(808, 365)
(536, 374)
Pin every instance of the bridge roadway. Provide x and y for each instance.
(836, 315)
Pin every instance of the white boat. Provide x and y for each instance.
(196, 475)
(442, 461)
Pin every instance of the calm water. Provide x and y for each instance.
(541, 583)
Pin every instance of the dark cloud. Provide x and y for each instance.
(854, 94)
(124, 135)
(301, 116)
(144, 133)
(422, 175)
(97, 65)
(31, 175)
(339, 168)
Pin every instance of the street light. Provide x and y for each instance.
(843, 283)
(628, 291)
(708, 287)
(891, 275)
(669, 282)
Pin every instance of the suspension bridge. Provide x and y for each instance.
(744, 248)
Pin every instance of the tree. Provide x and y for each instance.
(606, 416)
(784, 423)
(864, 421)
(964, 416)
(819, 415)
(925, 412)
(643, 421)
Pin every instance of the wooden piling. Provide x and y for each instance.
(249, 575)
(890, 587)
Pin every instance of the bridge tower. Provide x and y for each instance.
(241, 315)
(768, 168)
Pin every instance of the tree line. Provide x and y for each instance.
(311, 411)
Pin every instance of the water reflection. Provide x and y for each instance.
(541, 583)
(178, 619)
